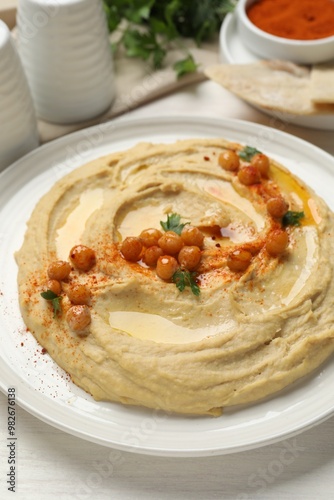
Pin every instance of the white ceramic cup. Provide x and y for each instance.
(65, 49)
(18, 124)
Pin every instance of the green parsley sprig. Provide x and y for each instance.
(183, 278)
(173, 223)
(55, 301)
(292, 218)
(148, 28)
(248, 152)
(184, 66)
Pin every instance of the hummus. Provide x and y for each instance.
(246, 335)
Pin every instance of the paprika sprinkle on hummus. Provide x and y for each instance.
(294, 19)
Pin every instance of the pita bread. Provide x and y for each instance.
(273, 85)
(322, 83)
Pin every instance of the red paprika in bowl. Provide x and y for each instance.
(294, 19)
(271, 46)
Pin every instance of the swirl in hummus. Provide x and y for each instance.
(250, 332)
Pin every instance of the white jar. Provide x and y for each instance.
(18, 124)
(65, 49)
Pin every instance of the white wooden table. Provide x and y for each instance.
(55, 465)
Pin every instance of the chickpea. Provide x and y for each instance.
(152, 254)
(189, 257)
(170, 242)
(82, 257)
(78, 317)
(131, 248)
(166, 267)
(79, 294)
(249, 175)
(59, 270)
(150, 237)
(191, 235)
(277, 206)
(277, 242)
(54, 286)
(261, 162)
(229, 160)
(239, 260)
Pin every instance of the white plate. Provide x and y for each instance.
(233, 51)
(46, 391)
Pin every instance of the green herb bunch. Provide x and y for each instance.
(148, 27)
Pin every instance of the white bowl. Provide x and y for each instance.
(269, 46)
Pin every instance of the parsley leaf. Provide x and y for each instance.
(143, 45)
(248, 152)
(173, 223)
(292, 218)
(55, 301)
(183, 278)
(185, 66)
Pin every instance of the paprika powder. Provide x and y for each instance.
(294, 19)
